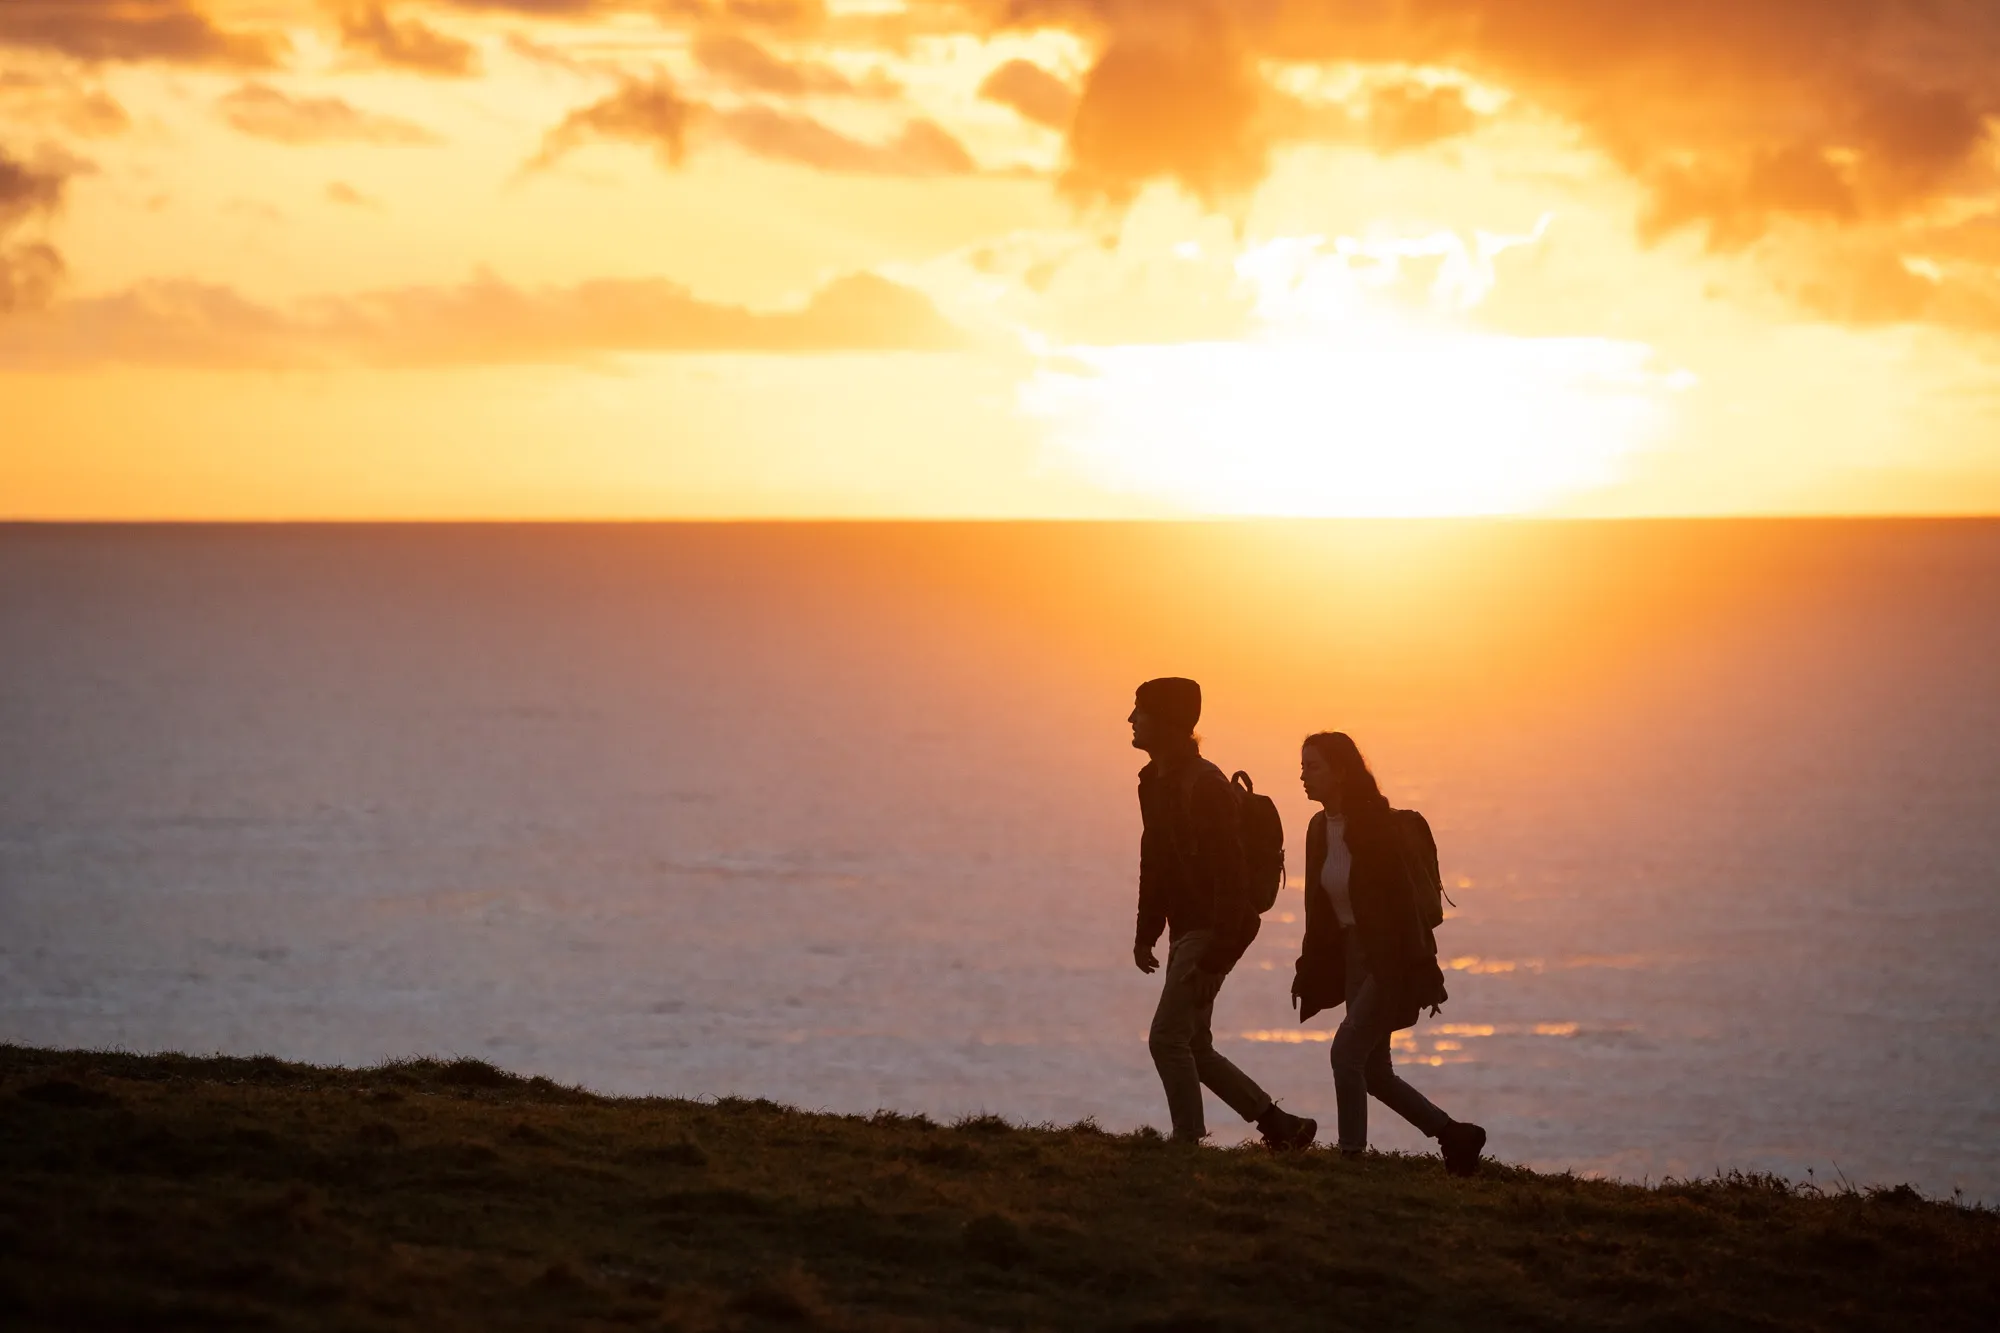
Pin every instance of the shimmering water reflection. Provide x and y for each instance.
(844, 815)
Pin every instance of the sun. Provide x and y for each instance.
(1349, 399)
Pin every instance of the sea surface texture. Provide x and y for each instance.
(844, 816)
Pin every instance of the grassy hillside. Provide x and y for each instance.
(170, 1192)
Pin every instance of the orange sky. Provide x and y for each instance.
(635, 258)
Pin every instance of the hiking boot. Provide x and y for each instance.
(1284, 1132)
(1462, 1144)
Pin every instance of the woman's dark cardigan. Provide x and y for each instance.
(1400, 952)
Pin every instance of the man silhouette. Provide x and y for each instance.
(1192, 883)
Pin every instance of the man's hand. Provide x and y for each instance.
(1142, 954)
(1206, 985)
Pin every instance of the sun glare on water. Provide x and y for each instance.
(1348, 399)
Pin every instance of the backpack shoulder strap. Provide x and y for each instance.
(1189, 778)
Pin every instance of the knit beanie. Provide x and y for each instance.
(1174, 700)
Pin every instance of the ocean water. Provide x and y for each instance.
(844, 815)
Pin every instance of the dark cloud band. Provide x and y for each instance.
(173, 31)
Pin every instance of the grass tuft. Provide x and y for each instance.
(987, 1126)
(466, 1072)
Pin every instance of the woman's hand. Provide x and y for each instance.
(1299, 986)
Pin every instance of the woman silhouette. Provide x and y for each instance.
(1367, 947)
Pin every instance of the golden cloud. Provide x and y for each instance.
(1882, 276)
(791, 15)
(29, 270)
(1177, 98)
(923, 148)
(1031, 92)
(482, 322)
(57, 98)
(653, 112)
(541, 8)
(643, 111)
(26, 190)
(737, 60)
(340, 192)
(406, 43)
(265, 112)
(135, 30)
(1732, 112)
(1412, 115)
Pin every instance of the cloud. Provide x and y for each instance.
(1731, 112)
(780, 15)
(1948, 276)
(539, 8)
(1736, 112)
(134, 30)
(482, 322)
(264, 112)
(653, 112)
(1877, 288)
(1178, 98)
(27, 190)
(1391, 115)
(1974, 240)
(59, 99)
(529, 49)
(739, 61)
(644, 111)
(1032, 92)
(922, 149)
(340, 192)
(1411, 115)
(406, 44)
(30, 271)
(29, 275)
(1736, 200)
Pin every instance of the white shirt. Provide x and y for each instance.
(1339, 861)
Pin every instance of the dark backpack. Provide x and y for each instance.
(1261, 831)
(1420, 863)
(1427, 895)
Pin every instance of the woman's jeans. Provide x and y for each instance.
(1361, 1061)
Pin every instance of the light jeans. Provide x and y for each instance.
(1361, 1061)
(1184, 1048)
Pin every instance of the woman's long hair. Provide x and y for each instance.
(1359, 792)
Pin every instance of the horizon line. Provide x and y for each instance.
(987, 520)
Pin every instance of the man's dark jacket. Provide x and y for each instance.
(1191, 874)
(1400, 953)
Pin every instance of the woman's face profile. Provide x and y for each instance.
(1318, 777)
